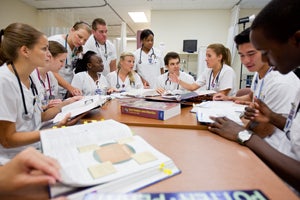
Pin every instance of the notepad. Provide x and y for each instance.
(227, 109)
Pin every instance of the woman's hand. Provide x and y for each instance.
(53, 103)
(28, 168)
(160, 91)
(68, 121)
(75, 91)
(220, 97)
(174, 78)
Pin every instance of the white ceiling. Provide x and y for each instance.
(116, 11)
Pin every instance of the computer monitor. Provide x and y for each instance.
(189, 46)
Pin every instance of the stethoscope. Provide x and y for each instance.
(217, 79)
(168, 80)
(118, 83)
(73, 52)
(262, 83)
(105, 48)
(151, 57)
(49, 85)
(26, 115)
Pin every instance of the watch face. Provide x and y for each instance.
(243, 136)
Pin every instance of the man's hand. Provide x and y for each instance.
(258, 112)
(225, 128)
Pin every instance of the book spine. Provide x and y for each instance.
(154, 114)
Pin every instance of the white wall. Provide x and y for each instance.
(16, 11)
(172, 27)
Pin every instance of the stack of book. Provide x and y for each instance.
(150, 109)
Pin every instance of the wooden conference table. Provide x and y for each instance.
(207, 161)
(112, 110)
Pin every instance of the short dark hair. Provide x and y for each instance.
(242, 38)
(145, 33)
(169, 56)
(279, 19)
(98, 21)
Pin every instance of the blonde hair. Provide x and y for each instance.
(131, 73)
(220, 49)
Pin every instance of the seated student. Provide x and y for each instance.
(274, 89)
(281, 49)
(73, 42)
(20, 173)
(88, 77)
(163, 82)
(124, 78)
(219, 76)
(46, 83)
(22, 49)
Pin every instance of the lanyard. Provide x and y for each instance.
(211, 82)
(42, 82)
(98, 47)
(262, 82)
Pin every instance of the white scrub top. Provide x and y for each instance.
(87, 85)
(12, 110)
(149, 65)
(107, 52)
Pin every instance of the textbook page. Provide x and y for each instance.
(81, 106)
(141, 93)
(99, 152)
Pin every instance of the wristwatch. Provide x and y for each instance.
(244, 136)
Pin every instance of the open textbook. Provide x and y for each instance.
(105, 154)
(227, 109)
(78, 107)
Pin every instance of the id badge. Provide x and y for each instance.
(289, 120)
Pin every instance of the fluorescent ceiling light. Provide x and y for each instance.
(138, 17)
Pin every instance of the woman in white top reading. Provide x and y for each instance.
(163, 82)
(22, 49)
(88, 77)
(44, 79)
(124, 78)
(219, 76)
